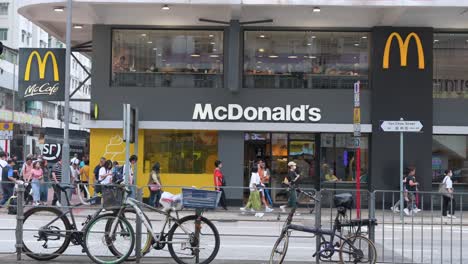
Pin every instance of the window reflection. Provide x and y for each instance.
(167, 58)
(320, 60)
(450, 153)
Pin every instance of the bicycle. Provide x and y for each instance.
(48, 231)
(350, 246)
(183, 236)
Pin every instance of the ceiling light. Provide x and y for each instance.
(211, 35)
(59, 9)
(258, 66)
(195, 55)
(155, 48)
(213, 43)
(259, 61)
(292, 57)
(313, 37)
(78, 26)
(159, 54)
(214, 56)
(261, 56)
(150, 42)
(143, 35)
(262, 36)
(309, 44)
(356, 44)
(273, 56)
(364, 37)
(165, 7)
(312, 57)
(316, 9)
(436, 40)
(261, 50)
(215, 49)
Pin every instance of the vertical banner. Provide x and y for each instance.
(357, 143)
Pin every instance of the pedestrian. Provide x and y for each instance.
(105, 173)
(396, 207)
(57, 179)
(75, 170)
(133, 160)
(254, 203)
(411, 185)
(290, 181)
(84, 176)
(263, 180)
(8, 180)
(27, 168)
(447, 196)
(154, 185)
(97, 185)
(219, 182)
(44, 190)
(35, 179)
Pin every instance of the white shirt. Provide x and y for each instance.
(131, 173)
(448, 182)
(254, 181)
(3, 164)
(107, 179)
(74, 172)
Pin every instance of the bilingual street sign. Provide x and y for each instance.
(6, 131)
(401, 126)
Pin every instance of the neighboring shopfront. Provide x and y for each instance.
(294, 102)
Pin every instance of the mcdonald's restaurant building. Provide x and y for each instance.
(241, 92)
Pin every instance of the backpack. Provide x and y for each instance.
(12, 205)
(118, 174)
(5, 172)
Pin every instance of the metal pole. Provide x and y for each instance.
(19, 221)
(318, 224)
(66, 145)
(401, 175)
(135, 150)
(139, 196)
(126, 112)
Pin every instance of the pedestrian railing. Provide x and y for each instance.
(423, 237)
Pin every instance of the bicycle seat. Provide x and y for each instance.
(66, 186)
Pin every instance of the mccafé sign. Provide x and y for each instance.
(236, 112)
(403, 48)
(42, 74)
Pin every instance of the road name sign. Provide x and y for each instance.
(402, 126)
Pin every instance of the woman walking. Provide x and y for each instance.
(448, 201)
(219, 182)
(154, 185)
(290, 180)
(105, 173)
(254, 204)
(44, 190)
(35, 179)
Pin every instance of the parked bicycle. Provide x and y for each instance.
(191, 239)
(354, 248)
(48, 231)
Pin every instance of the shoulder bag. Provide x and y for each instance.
(443, 189)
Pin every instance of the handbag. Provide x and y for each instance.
(154, 187)
(443, 189)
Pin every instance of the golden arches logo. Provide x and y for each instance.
(403, 45)
(41, 63)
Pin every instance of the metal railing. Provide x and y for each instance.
(423, 237)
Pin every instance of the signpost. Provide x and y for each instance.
(401, 126)
(357, 143)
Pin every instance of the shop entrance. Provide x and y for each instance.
(257, 146)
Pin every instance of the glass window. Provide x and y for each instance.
(337, 158)
(181, 151)
(450, 152)
(3, 34)
(3, 9)
(167, 58)
(295, 59)
(450, 56)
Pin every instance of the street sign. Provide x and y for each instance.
(6, 131)
(357, 100)
(401, 126)
(357, 130)
(357, 115)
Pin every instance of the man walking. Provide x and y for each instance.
(411, 185)
(57, 179)
(8, 180)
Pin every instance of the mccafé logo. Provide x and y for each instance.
(42, 72)
(234, 112)
(403, 46)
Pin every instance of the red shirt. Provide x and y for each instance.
(218, 178)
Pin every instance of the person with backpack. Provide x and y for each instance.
(8, 180)
(447, 195)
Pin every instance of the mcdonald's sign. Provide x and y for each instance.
(403, 46)
(42, 74)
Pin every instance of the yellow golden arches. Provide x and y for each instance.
(41, 63)
(403, 45)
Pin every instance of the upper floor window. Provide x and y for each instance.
(3, 34)
(304, 59)
(167, 58)
(4, 9)
(42, 44)
(23, 36)
(450, 56)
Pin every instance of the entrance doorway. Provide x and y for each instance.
(256, 146)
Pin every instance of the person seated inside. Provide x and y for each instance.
(121, 65)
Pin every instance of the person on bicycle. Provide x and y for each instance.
(290, 180)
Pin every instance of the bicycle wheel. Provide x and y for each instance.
(185, 248)
(279, 250)
(97, 240)
(358, 249)
(43, 237)
(146, 240)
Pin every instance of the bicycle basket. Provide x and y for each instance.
(196, 198)
(344, 200)
(112, 197)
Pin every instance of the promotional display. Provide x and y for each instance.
(41, 74)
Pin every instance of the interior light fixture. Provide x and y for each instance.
(77, 26)
(316, 9)
(292, 57)
(356, 44)
(312, 57)
(436, 40)
(273, 56)
(313, 37)
(165, 7)
(159, 55)
(211, 35)
(150, 42)
(262, 36)
(155, 48)
(213, 43)
(261, 50)
(59, 9)
(195, 55)
(309, 44)
(259, 62)
(214, 56)
(143, 35)
(364, 37)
